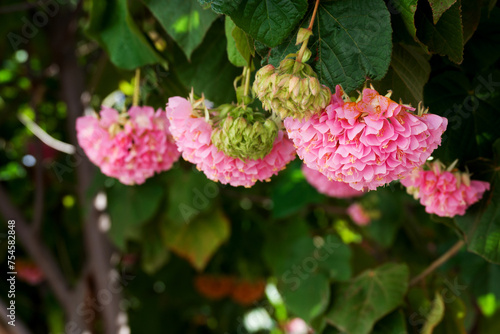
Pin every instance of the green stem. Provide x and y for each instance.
(311, 23)
(137, 87)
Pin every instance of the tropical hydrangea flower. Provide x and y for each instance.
(131, 146)
(367, 143)
(442, 192)
(329, 187)
(358, 214)
(193, 133)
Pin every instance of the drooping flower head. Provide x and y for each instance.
(367, 143)
(191, 128)
(244, 133)
(131, 146)
(292, 89)
(446, 193)
(329, 187)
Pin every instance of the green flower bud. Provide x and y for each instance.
(292, 90)
(243, 133)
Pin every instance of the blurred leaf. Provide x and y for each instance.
(292, 192)
(154, 253)
(185, 20)
(221, 6)
(197, 240)
(446, 36)
(393, 323)
(336, 261)
(209, 71)
(131, 206)
(390, 203)
(448, 95)
(352, 40)
(435, 315)
(190, 193)
(439, 7)
(358, 304)
(268, 21)
(113, 27)
(481, 225)
(471, 15)
(309, 299)
(407, 75)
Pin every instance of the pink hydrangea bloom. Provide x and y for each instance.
(358, 214)
(444, 193)
(367, 143)
(193, 137)
(329, 187)
(130, 147)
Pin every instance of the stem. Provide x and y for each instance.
(137, 87)
(247, 81)
(434, 265)
(314, 15)
(311, 23)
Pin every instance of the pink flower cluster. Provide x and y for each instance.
(130, 147)
(329, 187)
(358, 214)
(367, 143)
(193, 137)
(444, 193)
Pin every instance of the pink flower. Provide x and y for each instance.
(367, 143)
(329, 187)
(193, 137)
(296, 326)
(358, 214)
(444, 193)
(130, 147)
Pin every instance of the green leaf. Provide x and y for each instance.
(407, 9)
(113, 27)
(236, 37)
(292, 192)
(447, 95)
(446, 36)
(439, 7)
(394, 323)
(310, 299)
(197, 240)
(407, 75)
(154, 253)
(209, 71)
(358, 304)
(189, 194)
(304, 270)
(131, 206)
(268, 21)
(471, 16)
(435, 315)
(390, 203)
(185, 20)
(481, 225)
(352, 41)
(222, 6)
